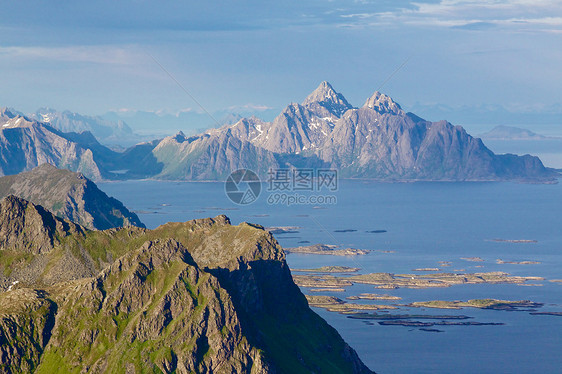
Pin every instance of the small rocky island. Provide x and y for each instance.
(334, 304)
(392, 281)
(327, 249)
(479, 303)
(329, 269)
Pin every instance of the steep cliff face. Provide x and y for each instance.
(199, 296)
(303, 128)
(381, 141)
(69, 195)
(254, 272)
(367, 143)
(325, 102)
(152, 310)
(38, 249)
(29, 228)
(26, 321)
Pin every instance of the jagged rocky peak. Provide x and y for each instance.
(293, 108)
(383, 104)
(6, 113)
(44, 114)
(326, 97)
(30, 228)
(47, 169)
(248, 129)
(180, 137)
(9, 119)
(249, 122)
(194, 297)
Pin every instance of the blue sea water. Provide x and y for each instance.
(425, 223)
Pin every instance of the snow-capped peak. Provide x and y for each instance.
(383, 104)
(325, 96)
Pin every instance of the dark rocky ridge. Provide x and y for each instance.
(199, 296)
(69, 195)
(29, 228)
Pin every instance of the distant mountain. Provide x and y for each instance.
(162, 124)
(195, 297)
(381, 141)
(487, 114)
(303, 127)
(209, 156)
(69, 195)
(377, 141)
(26, 144)
(512, 133)
(67, 121)
(113, 133)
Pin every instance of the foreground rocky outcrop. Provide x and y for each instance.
(199, 296)
(69, 195)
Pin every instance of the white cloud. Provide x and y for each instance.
(158, 112)
(360, 15)
(517, 15)
(249, 107)
(88, 54)
(498, 7)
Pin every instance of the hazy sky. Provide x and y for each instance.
(95, 56)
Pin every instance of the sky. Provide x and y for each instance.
(439, 57)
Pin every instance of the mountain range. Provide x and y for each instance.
(378, 140)
(26, 144)
(162, 123)
(503, 132)
(108, 132)
(196, 297)
(69, 195)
